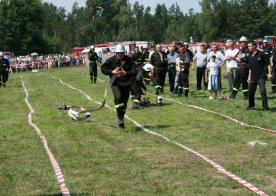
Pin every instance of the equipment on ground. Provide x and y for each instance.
(159, 100)
(145, 102)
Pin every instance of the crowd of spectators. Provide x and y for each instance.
(25, 63)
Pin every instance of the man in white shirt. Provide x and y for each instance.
(200, 63)
(231, 63)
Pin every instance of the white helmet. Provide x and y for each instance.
(265, 41)
(148, 67)
(120, 48)
(1, 53)
(243, 39)
(92, 47)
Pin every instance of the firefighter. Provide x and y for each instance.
(182, 67)
(121, 67)
(4, 70)
(137, 84)
(146, 60)
(258, 68)
(159, 61)
(273, 68)
(243, 70)
(93, 62)
(268, 54)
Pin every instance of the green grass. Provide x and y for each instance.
(97, 158)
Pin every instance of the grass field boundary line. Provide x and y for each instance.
(218, 167)
(223, 115)
(59, 176)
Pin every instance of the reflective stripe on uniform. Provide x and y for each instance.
(158, 86)
(187, 88)
(136, 101)
(235, 89)
(119, 105)
(245, 90)
(273, 85)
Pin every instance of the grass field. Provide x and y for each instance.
(97, 158)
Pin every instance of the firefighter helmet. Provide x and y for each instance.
(120, 48)
(148, 67)
(265, 41)
(243, 39)
(92, 47)
(1, 53)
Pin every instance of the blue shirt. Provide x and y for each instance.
(172, 57)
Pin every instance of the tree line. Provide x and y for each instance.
(33, 25)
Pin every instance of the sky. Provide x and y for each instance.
(184, 5)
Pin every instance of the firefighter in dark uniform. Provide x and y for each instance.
(182, 66)
(273, 70)
(146, 60)
(4, 70)
(258, 68)
(93, 62)
(243, 70)
(120, 66)
(268, 53)
(137, 84)
(159, 61)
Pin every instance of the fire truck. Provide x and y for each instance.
(271, 40)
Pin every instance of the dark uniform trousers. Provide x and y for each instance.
(160, 77)
(121, 95)
(200, 74)
(172, 74)
(135, 89)
(273, 79)
(93, 71)
(3, 76)
(242, 76)
(252, 90)
(184, 82)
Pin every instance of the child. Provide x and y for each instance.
(213, 84)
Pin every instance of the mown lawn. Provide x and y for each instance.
(97, 158)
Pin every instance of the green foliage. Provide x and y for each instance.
(27, 26)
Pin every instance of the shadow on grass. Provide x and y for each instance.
(151, 127)
(72, 194)
(273, 109)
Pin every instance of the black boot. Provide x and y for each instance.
(245, 96)
(121, 123)
(180, 91)
(186, 93)
(273, 90)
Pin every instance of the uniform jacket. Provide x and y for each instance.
(112, 63)
(158, 61)
(4, 64)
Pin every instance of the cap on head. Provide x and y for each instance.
(120, 48)
(186, 44)
(243, 39)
